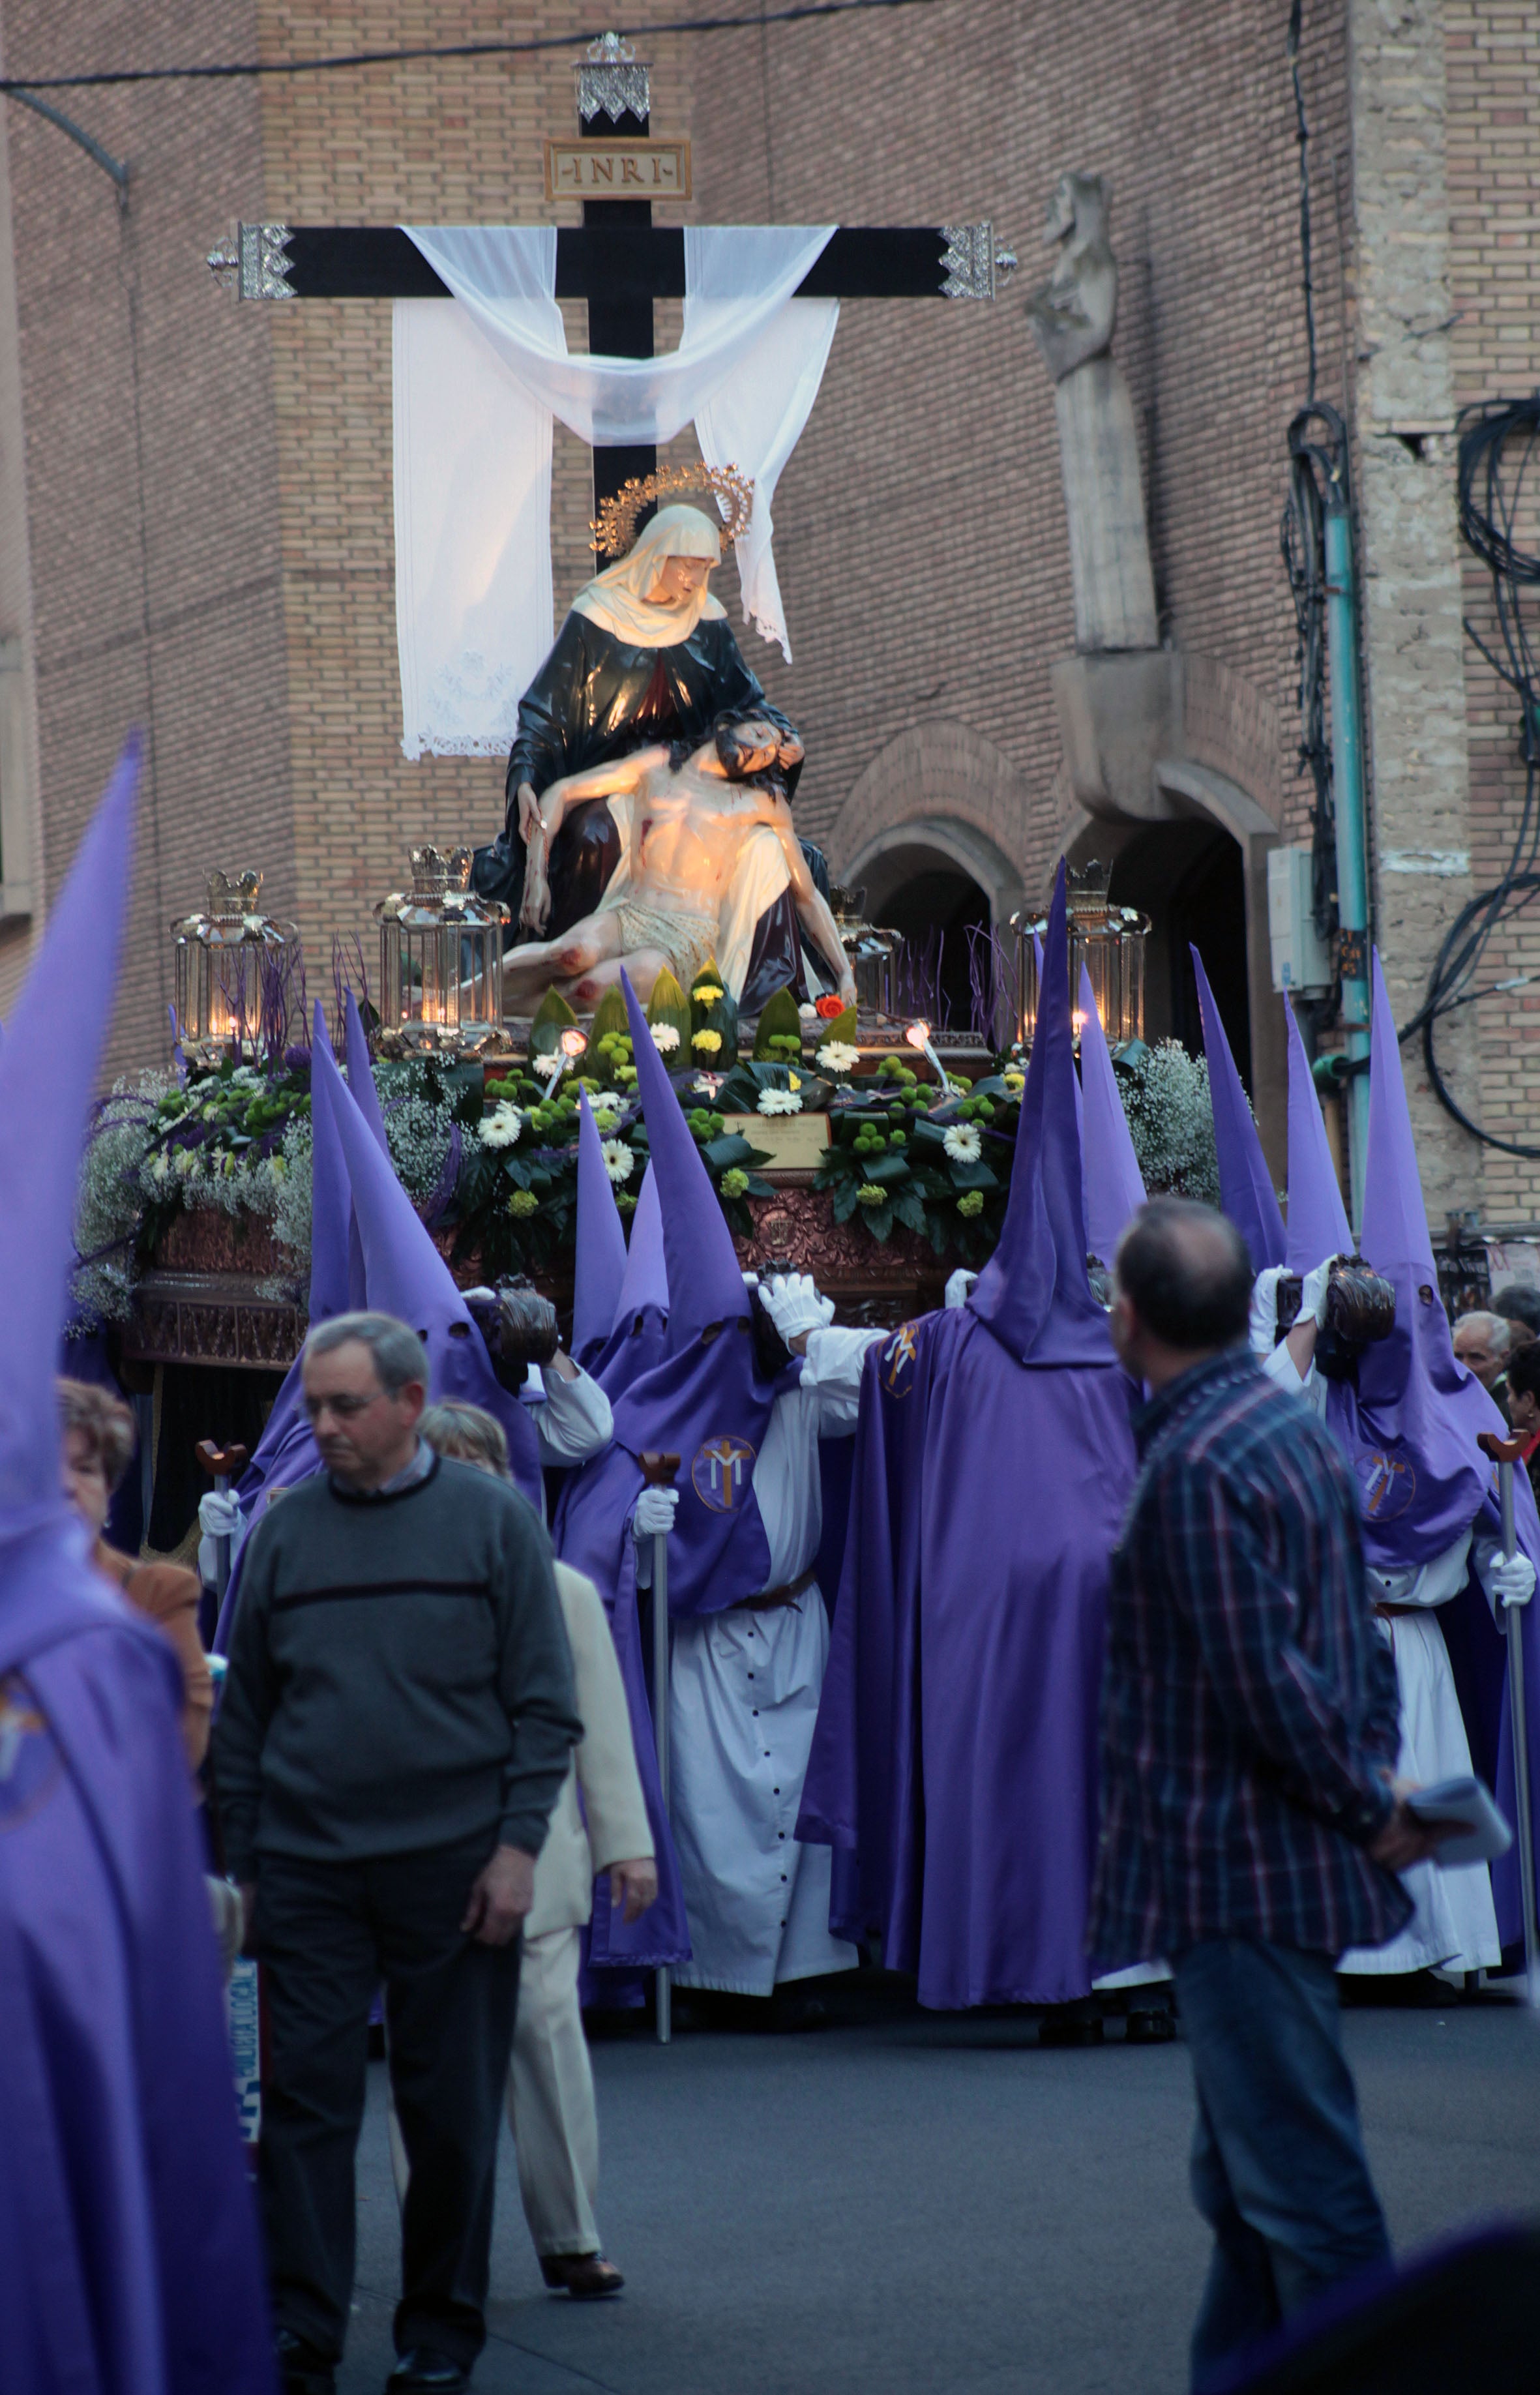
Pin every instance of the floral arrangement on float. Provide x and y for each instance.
(491, 1162)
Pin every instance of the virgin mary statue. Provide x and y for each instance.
(646, 655)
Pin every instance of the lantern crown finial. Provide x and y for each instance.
(231, 896)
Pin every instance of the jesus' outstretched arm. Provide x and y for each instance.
(600, 782)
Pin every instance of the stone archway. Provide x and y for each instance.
(933, 831)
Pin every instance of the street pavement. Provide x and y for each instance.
(930, 2204)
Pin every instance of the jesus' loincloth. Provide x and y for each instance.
(686, 941)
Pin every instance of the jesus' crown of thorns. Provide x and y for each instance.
(614, 527)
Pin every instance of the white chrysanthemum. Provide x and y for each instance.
(502, 1127)
(963, 1143)
(619, 1162)
(808, 1013)
(839, 1056)
(665, 1037)
(780, 1101)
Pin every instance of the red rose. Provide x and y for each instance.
(829, 1006)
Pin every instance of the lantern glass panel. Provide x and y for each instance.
(441, 958)
(1108, 940)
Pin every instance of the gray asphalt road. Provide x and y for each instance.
(924, 2206)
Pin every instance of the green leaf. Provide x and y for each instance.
(728, 1149)
(839, 1026)
(758, 1186)
(909, 1209)
(552, 1017)
(844, 1201)
(669, 1004)
(778, 1019)
(974, 1176)
(888, 1169)
(879, 1222)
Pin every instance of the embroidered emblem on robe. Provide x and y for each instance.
(722, 1472)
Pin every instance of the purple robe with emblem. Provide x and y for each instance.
(129, 2259)
(954, 1768)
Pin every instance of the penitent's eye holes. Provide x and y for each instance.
(459, 1331)
(1426, 1294)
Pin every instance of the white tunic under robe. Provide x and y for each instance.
(1454, 1927)
(572, 1419)
(745, 1691)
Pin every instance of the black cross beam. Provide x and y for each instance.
(619, 261)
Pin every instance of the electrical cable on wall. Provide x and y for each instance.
(1491, 488)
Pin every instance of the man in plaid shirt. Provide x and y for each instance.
(1251, 1829)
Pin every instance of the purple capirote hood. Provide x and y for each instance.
(48, 1067)
(1034, 1293)
(600, 1264)
(705, 1281)
(404, 1275)
(1245, 1186)
(1318, 1220)
(1113, 1185)
(1410, 1426)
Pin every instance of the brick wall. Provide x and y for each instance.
(1492, 54)
(453, 143)
(921, 523)
(150, 461)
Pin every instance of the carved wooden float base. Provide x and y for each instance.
(218, 1293)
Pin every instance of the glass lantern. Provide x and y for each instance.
(1108, 940)
(223, 962)
(441, 961)
(867, 946)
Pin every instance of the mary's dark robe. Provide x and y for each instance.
(596, 697)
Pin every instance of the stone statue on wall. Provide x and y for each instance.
(1072, 317)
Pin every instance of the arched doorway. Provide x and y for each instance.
(1190, 878)
(951, 893)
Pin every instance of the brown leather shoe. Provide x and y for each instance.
(585, 2277)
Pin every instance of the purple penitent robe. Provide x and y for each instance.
(954, 1768)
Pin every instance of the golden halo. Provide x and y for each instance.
(614, 527)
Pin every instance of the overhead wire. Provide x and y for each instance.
(799, 12)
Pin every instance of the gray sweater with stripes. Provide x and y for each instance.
(399, 1674)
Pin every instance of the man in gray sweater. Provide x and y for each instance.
(395, 1731)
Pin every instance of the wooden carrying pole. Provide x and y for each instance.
(658, 1472)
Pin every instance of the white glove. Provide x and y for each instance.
(1263, 1330)
(1511, 1579)
(219, 1516)
(655, 1514)
(1313, 1300)
(794, 1305)
(958, 1284)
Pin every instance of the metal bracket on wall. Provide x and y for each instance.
(254, 263)
(971, 262)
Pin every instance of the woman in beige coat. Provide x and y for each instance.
(550, 2084)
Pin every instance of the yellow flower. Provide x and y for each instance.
(705, 994)
(1015, 1083)
(708, 1042)
(971, 1202)
(872, 1194)
(523, 1202)
(792, 1081)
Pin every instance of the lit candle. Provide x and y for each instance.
(918, 1036)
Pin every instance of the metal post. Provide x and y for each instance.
(1505, 1453)
(658, 1473)
(1352, 869)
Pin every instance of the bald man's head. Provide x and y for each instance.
(1185, 1271)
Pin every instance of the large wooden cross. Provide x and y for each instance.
(618, 261)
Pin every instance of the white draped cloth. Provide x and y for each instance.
(478, 380)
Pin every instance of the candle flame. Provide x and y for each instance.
(918, 1035)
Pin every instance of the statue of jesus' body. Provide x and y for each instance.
(691, 825)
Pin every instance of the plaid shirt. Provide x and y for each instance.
(1250, 1708)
